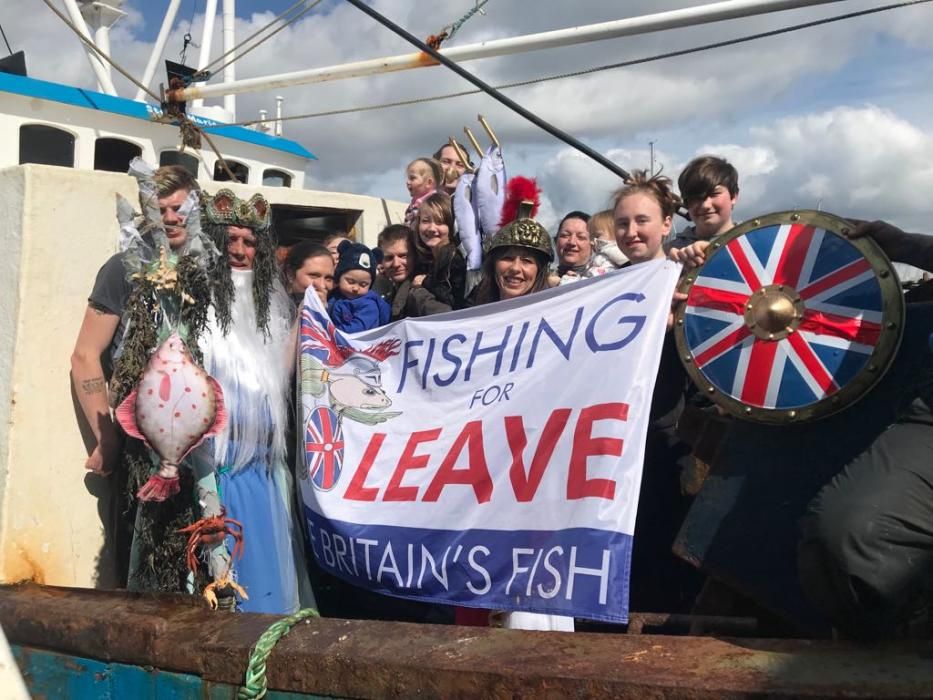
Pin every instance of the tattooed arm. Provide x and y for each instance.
(87, 376)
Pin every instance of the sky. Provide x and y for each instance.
(837, 117)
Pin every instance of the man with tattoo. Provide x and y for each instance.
(100, 337)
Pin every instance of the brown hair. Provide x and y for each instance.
(704, 174)
(171, 178)
(657, 186)
(488, 291)
(392, 234)
(439, 203)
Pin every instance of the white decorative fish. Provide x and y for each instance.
(489, 191)
(470, 240)
(175, 406)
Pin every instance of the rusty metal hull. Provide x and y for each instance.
(360, 659)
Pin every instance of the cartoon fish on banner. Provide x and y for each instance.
(175, 406)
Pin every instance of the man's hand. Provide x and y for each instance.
(690, 256)
(890, 238)
(678, 299)
(104, 457)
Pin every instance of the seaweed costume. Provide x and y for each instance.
(246, 346)
(167, 305)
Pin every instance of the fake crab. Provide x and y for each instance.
(223, 582)
(210, 531)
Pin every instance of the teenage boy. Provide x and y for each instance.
(709, 188)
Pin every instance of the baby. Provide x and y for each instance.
(353, 305)
(422, 178)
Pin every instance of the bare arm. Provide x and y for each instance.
(87, 376)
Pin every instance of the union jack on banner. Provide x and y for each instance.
(324, 448)
(783, 316)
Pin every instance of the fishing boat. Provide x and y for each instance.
(63, 160)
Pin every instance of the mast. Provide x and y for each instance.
(100, 67)
(229, 36)
(167, 22)
(207, 37)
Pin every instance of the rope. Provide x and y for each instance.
(264, 39)
(452, 29)
(100, 53)
(5, 40)
(255, 685)
(597, 69)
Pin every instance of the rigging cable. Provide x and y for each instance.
(5, 40)
(184, 119)
(238, 56)
(597, 69)
(90, 44)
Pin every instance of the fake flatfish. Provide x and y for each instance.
(175, 406)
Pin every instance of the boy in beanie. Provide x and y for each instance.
(353, 305)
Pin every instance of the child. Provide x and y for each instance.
(709, 188)
(353, 305)
(606, 253)
(422, 177)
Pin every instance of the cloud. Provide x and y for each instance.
(789, 110)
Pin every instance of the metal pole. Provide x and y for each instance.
(97, 64)
(207, 37)
(167, 22)
(702, 14)
(229, 34)
(277, 128)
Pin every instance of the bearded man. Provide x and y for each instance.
(247, 348)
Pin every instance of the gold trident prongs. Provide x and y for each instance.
(489, 131)
(464, 158)
(472, 138)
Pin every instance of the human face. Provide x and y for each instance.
(332, 247)
(354, 283)
(712, 214)
(395, 261)
(641, 227)
(241, 247)
(317, 272)
(574, 246)
(174, 222)
(453, 166)
(515, 272)
(431, 228)
(418, 181)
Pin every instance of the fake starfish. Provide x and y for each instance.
(164, 276)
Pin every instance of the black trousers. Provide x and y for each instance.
(866, 553)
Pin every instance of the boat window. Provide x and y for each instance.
(114, 155)
(185, 160)
(241, 171)
(276, 178)
(46, 145)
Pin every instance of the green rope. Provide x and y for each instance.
(255, 685)
(478, 7)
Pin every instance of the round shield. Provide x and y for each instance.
(787, 319)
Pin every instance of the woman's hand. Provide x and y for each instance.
(678, 299)
(418, 280)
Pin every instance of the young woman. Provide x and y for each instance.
(644, 209)
(309, 264)
(440, 267)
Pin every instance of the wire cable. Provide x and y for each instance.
(5, 40)
(288, 22)
(597, 69)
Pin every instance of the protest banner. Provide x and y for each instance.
(489, 457)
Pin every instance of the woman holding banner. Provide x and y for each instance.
(644, 209)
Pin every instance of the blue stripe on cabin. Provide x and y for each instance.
(79, 97)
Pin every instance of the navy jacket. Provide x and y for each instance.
(360, 314)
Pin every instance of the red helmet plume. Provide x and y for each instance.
(517, 190)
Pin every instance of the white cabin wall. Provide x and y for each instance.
(52, 528)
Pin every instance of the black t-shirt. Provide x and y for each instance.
(110, 295)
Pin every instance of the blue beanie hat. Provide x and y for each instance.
(356, 256)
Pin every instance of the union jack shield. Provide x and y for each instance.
(788, 319)
(324, 448)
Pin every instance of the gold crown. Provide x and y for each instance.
(226, 209)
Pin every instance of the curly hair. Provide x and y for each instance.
(657, 186)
